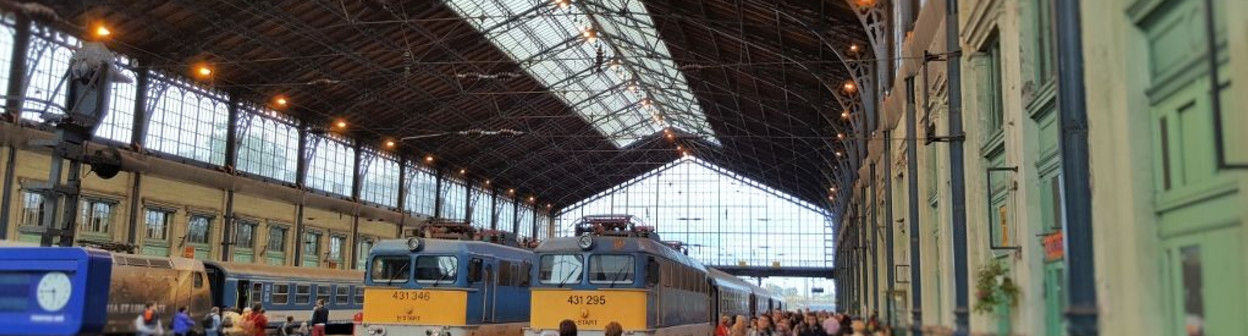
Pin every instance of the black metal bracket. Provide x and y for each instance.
(929, 57)
(988, 184)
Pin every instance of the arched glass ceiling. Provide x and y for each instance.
(604, 58)
(725, 219)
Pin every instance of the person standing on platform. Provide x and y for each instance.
(212, 322)
(614, 329)
(148, 322)
(320, 317)
(182, 323)
(259, 322)
(567, 328)
(723, 328)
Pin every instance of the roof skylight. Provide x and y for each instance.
(604, 58)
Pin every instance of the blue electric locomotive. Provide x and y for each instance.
(443, 287)
(618, 271)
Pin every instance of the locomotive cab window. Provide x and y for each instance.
(199, 280)
(504, 274)
(652, 272)
(474, 270)
(391, 269)
(560, 269)
(525, 269)
(611, 269)
(436, 269)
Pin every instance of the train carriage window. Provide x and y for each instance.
(359, 295)
(436, 269)
(257, 293)
(652, 272)
(342, 295)
(611, 269)
(303, 294)
(516, 275)
(560, 269)
(322, 293)
(198, 278)
(281, 294)
(525, 270)
(391, 269)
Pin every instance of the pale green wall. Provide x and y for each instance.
(1128, 248)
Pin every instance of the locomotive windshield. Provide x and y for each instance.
(561, 269)
(611, 269)
(391, 269)
(436, 269)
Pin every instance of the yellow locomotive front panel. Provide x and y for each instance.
(415, 306)
(590, 309)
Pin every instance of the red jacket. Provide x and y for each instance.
(259, 324)
(722, 330)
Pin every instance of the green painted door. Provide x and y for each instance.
(1205, 283)
(1197, 205)
(1054, 298)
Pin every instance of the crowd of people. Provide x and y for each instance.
(252, 321)
(230, 321)
(793, 323)
(775, 323)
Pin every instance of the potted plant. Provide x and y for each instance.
(994, 288)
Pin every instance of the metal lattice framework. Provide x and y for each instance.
(767, 75)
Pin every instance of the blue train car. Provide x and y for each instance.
(446, 287)
(288, 291)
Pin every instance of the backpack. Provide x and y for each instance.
(207, 322)
(227, 322)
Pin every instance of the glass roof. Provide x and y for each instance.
(604, 58)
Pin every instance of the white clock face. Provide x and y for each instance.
(53, 291)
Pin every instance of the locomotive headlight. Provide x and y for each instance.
(378, 331)
(585, 242)
(415, 244)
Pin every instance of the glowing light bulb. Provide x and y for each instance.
(463, 171)
(102, 31)
(428, 158)
(340, 124)
(203, 71)
(390, 144)
(840, 136)
(280, 101)
(849, 86)
(853, 48)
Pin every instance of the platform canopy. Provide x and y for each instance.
(603, 90)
